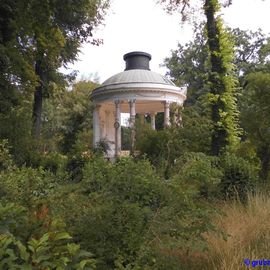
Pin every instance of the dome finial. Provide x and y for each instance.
(137, 60)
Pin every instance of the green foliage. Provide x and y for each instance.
(77, 118)
(50, 251)
(26, 186)
(222, 82)
(213, 73)
(153, 144)
(32, 189)
(239, 177)
(165, 146)
(125, 138)
(36, 39)
(133, 213)
(254, 105)
(6, 162)
(15, 127)
(29, 238)
(54, 162)
(76, 164)
(13, 219)
(195, 134)
(251, 51)
(188, 65)
(198, 171)
(120, 211)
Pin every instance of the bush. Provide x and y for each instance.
(52, 250)
(123, 197)
(198, 171)
(75, 165)
(26, 186)
(153, 144)
(239, 177)
(54, 162)
(6, 161)
(123, 211)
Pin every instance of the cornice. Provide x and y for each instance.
(141, 89)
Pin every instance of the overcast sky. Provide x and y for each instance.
(142, 25)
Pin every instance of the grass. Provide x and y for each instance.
(248, 237)
(248, 230)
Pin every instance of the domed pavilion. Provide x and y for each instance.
(136, 90)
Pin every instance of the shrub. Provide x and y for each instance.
(6, 161)
(75, 165)
(198, 171)
(26, 186)
(239, 177)
(153, 144)
(52, 250)
(54, 162)
(126, 209)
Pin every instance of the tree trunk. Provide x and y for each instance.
(37, 106)
(217, 86)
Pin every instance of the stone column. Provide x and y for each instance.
(132, 111)
(117, 126)
(166, 114)
(153, 120)
(96, 125)
(179, 120)
(107, 123)
(141, 117)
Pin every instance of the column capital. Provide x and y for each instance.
(166, 103)
(131, 101)
(117, 102)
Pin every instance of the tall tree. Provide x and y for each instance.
(255, 117)
(252, 51)
(44, 36)
(189, 64)
(69, 26)
(16, 67)
(221, 81)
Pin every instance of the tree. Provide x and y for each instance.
(189, 64)
(255, 115)
(221, 80)
(77, 119)
(68, 29)
(252, 50)
(37, 38)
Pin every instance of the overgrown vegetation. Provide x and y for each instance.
(191, 199)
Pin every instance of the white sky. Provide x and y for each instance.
(142, 25)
